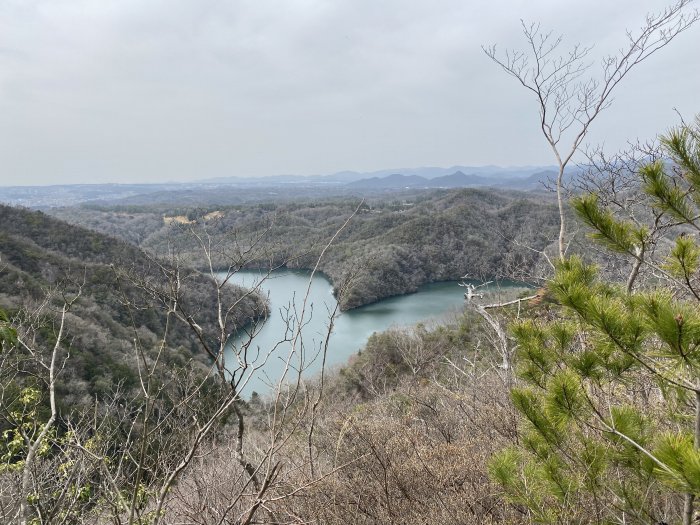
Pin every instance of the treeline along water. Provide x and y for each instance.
(286, 290)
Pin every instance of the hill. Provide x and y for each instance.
(395, 180)
(459, 179)
(392, 246)
(39, 253)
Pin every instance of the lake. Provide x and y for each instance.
(286, 289)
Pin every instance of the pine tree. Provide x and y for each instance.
(610, 390)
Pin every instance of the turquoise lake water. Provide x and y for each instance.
(302, 349)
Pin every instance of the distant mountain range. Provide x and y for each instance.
(226, 190)
(459, 179)
(489, 173)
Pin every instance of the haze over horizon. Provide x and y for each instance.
(180, 91)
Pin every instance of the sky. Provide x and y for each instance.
(95, 91)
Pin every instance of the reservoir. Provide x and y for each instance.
(279, 345)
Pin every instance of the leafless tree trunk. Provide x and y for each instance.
(567, 104)
(261, 468)
(130, 455)
(50, 363)
(502, 342)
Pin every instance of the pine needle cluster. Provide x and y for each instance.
(609, 395)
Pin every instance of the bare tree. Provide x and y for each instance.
(261, 476)
(128, 459)
(568, 102)
(615, 181)
(27, 354)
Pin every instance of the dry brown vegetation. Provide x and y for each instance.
(405, 444)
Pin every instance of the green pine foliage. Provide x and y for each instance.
(616, 235)
(609, 395)
(683, 261)
(668, 197)
(8, 335)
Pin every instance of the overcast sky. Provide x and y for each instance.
(174, 90)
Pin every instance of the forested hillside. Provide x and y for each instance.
(169, 354)
(42, 257)
(576, 404)
(390, 247)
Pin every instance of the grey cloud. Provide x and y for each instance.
(178, 90)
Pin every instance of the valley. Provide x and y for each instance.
(392, 245)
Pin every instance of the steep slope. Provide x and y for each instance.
(39, 253)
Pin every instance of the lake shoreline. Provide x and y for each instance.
(412, 290)
(285, 290)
